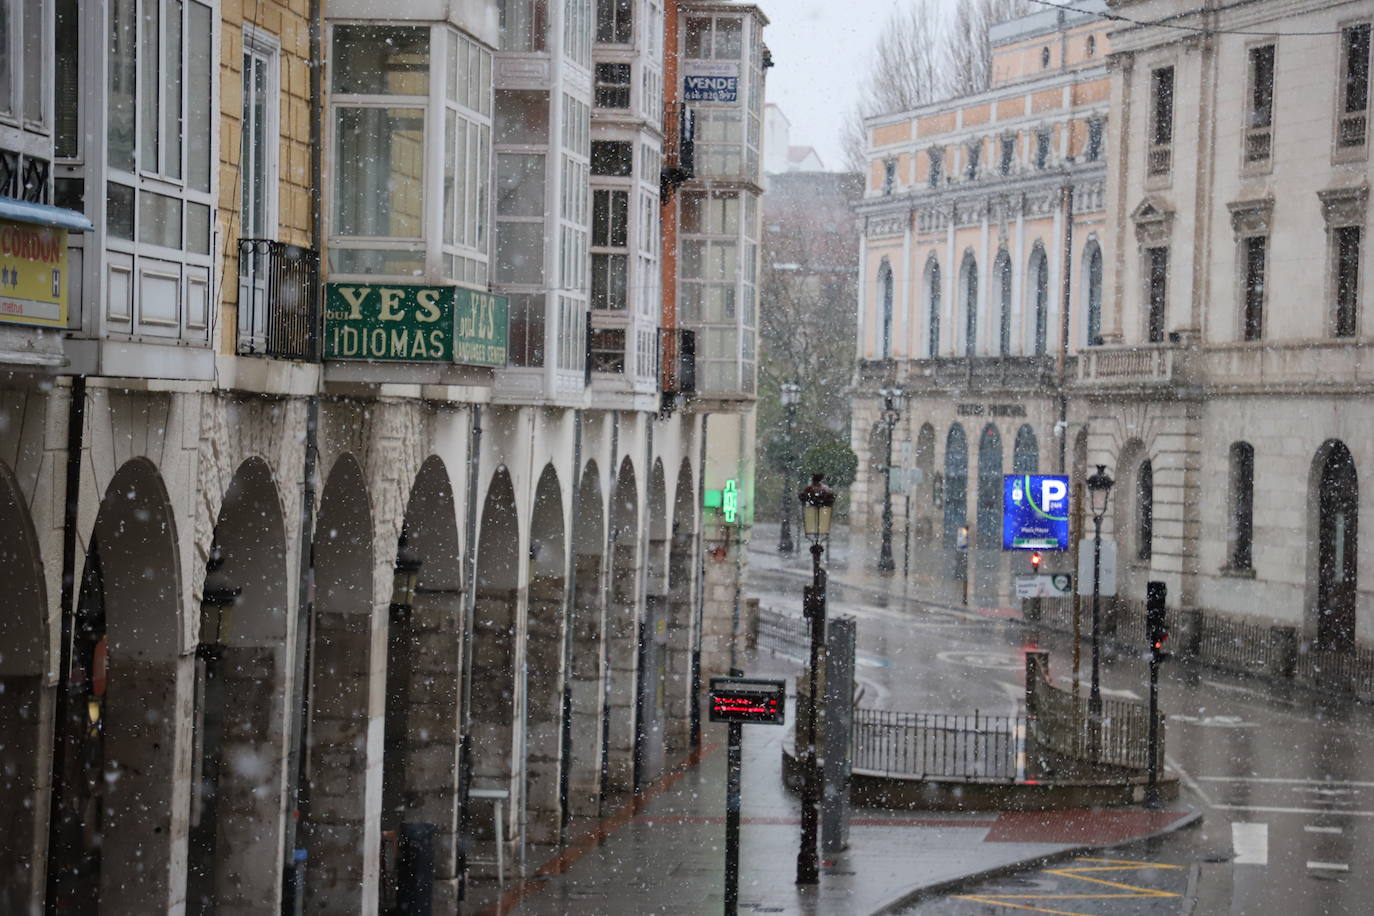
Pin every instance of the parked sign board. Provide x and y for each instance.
(396, 322)
(1035, 512)
(748, 700)
(33, 274)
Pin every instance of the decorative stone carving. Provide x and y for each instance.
(1153, 221)
(1251, 217)
(1344, 206)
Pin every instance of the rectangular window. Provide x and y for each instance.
(1161, 121)
(526, 330)
(1157, 265)
(1042, 147)
(1254, 252)
(610, 243)
(1008, 155)
(1347, 279)
(612, 85)
(34, 65)
(1242, 499)
(614, 21)
(123, 78)
(1354, 86)
(1260, 117)
(607, 350)
(524, 25)
(7, 70)
(378, 171)
(975, 153)
(937, 167)
(612, 158)
(1094, 149)
(259, 139)
(889, 176)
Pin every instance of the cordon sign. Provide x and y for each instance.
(33, 274)
(396, 322)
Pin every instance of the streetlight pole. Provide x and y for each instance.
(818, 502)
(1099, 491)
(790, 395)
(892, 411)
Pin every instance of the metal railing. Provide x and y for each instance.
(1060, 723)
(937, 745)
(1348, 671)
(779, 634)
(279, 300)
(677, 360)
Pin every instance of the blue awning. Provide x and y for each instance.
(43, 215)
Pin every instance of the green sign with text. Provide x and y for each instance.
(414, 324)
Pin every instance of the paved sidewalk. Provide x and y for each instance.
(668, 856)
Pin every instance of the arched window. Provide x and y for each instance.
(933, 306)
(968, 302)
(1241, 503)
(1026, 454)
(956, 484)
(885, 291)
(1145, 510)
(1092, 260)
(1002, 270)
(989, 528)
(1040, 301)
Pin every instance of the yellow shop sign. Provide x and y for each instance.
(33, 274)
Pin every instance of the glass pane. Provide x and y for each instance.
(259, 149)
(522, 117)
(520, 253)
(6, 73)
(698, 37)
(151, 79)
(451, 172)
(33, 61)
(1357, 68)
(520, 184)
(159, 220)
(369, 261)
(729, 35)
(523, 24)
(199, 103)
(171, 68)
(378, 173)
(67, 83)
(198, 228)
(123, 77)
(381, 60)
(612, 158)
(119, 211)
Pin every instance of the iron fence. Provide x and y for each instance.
(1348, 671)
(925, 745)
(279, 300)
(1059, 722)
(781, 634)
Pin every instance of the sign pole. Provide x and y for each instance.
(732, 805)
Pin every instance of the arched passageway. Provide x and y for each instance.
(25, 702)
(584, 745)
(420, 756)
(238, 764)
(544, 662)
(651, 685)
(343, 754)
(682, 593)
(123, 762)
(621, 632)
(496, 670)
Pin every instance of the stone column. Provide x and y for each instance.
(544, 682)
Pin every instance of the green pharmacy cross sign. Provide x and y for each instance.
(729, 502)
(443, 324)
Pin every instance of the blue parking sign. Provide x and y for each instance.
(1035, 512)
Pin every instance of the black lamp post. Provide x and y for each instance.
(892, 412)
(790, 395)
(1099, 491)
(818, 503)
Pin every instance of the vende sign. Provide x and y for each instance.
(710, 82)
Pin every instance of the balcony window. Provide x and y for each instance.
(1259, 119)
(1042, 148)
(1160, 154)
(1096, 127)
(1157, 292)
(889, 176)
(1253, 251)
(720, 38)
(1093, 255)
(1008, 151)
(606, 350)
(520, 210)
(614, 21)
(1352, 124)
(524, 25)
(975, 153)
(526, 330)
(1346, 279)
(936, 159)
(612, 158)
(1241, 531)
(610, 240)
(612, 86)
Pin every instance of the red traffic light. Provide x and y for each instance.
(1035, 559)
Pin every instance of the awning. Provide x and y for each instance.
(43, 215)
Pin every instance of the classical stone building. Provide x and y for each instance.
(320, 504)
(981, 277)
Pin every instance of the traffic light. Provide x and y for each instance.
(1156, 627)
(1035, 559)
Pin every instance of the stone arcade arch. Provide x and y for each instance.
(495, 635)
(25, 702)
(651, 694)
(239, 766)
(1333, 547)
(343, 771)
(588, 545)
(423, 680)
(124, 767)
(682, 559)
(544, 661)
(618, 730)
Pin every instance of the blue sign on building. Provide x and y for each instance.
(1035, 512)
(710, 81)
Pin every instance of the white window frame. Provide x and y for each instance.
(261, 45)
(14, 57)
(1353, 151)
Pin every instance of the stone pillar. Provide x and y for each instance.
(681, 600)
(584, 770)
(543, 711)
(622, 636)
(26, 716)
(493, 703)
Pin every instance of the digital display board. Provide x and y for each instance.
(1035, 512)
(735, 699)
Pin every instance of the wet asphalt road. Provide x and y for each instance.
(1285, 779)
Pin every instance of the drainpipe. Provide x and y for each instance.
(76, 419)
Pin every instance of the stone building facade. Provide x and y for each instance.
(269, 607)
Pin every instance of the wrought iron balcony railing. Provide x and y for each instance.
(677, 360)
(279, 300)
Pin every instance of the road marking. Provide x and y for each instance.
(1251, 843)
(1213, 721)
(1283, 780)
(1328, 866)
(1188, 781)
(1119, 891)
(1313, 828)
(1263, 809)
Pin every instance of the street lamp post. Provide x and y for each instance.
(818, 503)
(1099, 491)
(892, 412)
(790, 396)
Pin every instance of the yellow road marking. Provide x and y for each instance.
(1077, 873)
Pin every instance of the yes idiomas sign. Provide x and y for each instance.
(442, 324)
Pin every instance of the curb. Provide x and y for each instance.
(943, 887)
